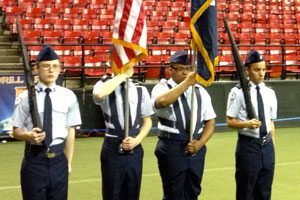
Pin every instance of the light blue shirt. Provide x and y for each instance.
(146, 106)
(65, 111)
(207, 110)
(236, 106)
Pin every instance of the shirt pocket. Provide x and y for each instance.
(59, 113)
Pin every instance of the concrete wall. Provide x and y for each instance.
(287, 92)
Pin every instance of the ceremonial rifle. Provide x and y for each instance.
(240, 69)
(29, 81)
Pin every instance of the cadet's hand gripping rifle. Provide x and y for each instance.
(239, 67)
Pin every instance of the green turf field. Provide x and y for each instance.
(218, 181)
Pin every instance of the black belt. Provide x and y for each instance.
(121, 133)
(42, 151)
(262, 141)
(164, 135)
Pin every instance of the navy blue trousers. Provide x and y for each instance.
(44, 178)
(121, 173)
(181, 175)
(254, 169)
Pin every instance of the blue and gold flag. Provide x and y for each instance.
(204, 25)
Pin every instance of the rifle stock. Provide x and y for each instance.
(240, 69)
(29, 81)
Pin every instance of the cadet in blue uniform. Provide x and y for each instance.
(181, 174)
(122, 172)
(48, 152)
(255, 156)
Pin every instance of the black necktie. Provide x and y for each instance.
(261, 114)
(187, 113)
(123, 90)
(47, 124)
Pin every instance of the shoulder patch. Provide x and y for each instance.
(18, 100)
(232, 95)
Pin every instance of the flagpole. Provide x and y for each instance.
(193, 94)
(126, 124)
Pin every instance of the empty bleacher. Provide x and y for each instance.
(83, 28)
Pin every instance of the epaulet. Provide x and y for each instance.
(138, 83)
(105, 78)
(238, 86)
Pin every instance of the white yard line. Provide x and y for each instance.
(155, 174)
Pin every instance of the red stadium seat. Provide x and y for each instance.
(161, 6)
(62, 50)
(98, 25)
(41, 24)
(161, 38)
(10, 13)
(33, 51)
(152, 25)
(106, 14)
(7, 3)
(72, 61)
(70, 37)
(276, 71)
(273, 38)
(93, 61)
(289, 28)
(89, 14)
(61, 24)
(33, 12)
(31, 36)
(96, 4)
(44, 3)
(79, 24)
(52, 13)
(105, 37)
(166, 26)
(153, 72)
(90, 37)
(243, 38)
(179, 38)
(290, 61)
(182, 27)
(258, 38)
(100, 50)
(259, 28)
(158, 50)
(26, 24)
(226, 66)
(62, 3)
(69, 13)
(178, 6)
(51, 37)
(78, 4)
(26, 3)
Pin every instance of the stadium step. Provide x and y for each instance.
(10, 66)
(9, 59)
(9, 52)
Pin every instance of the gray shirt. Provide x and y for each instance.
(65, 111)
(236, 106)
(207, 110)
(146, 107)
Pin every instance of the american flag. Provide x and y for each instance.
(129, 35)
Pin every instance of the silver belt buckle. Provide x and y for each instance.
(264, 140)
